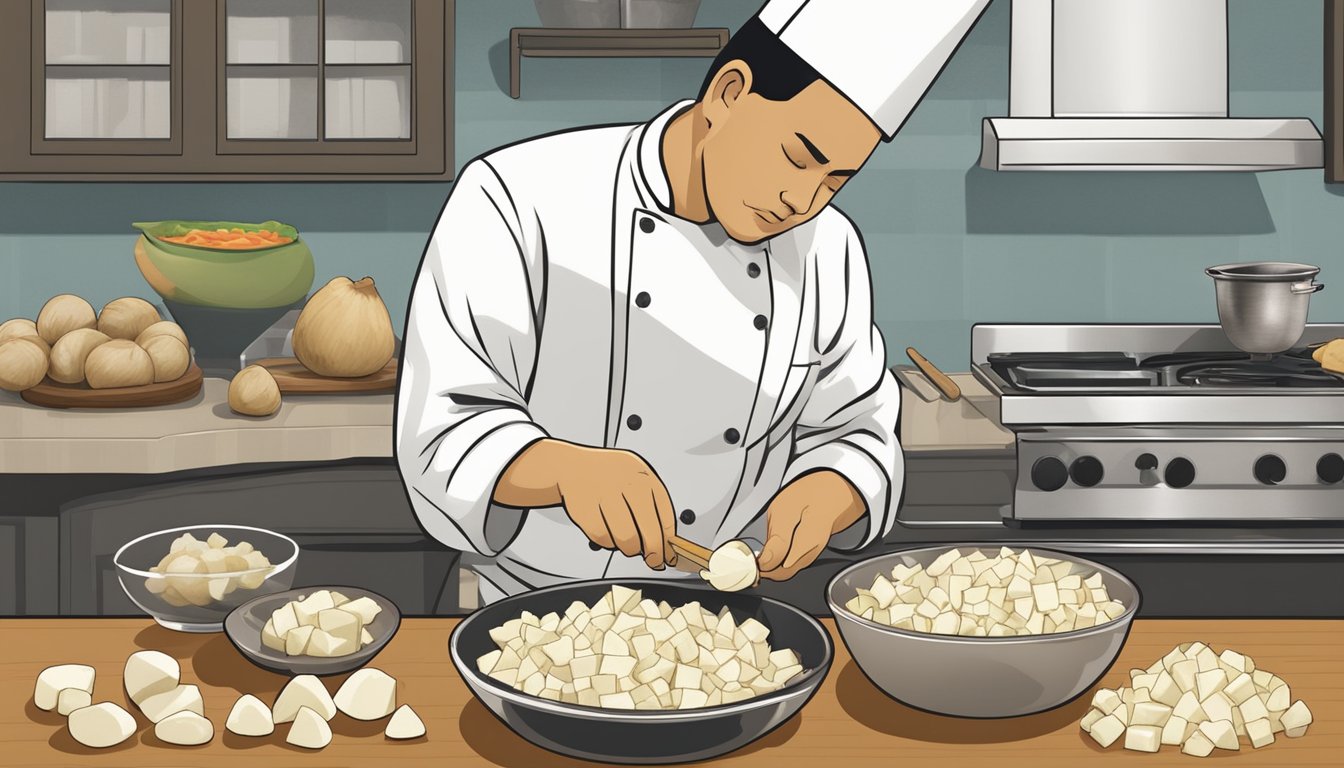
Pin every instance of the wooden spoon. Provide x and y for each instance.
(940, 380)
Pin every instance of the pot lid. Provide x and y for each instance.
(1264, 271)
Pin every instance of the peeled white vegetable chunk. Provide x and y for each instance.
(1143, 738)
(365, 608)
(1106, 730)
(1221, 733)
(101, 725)
(70, 699)
(183, 698)
(1296, 720)
(1197, 745)
(368, 694)
(52, 680)
(187, 729)
(303, 691)
(149, 673)
(1260, 732)
(250, 717)
(310, 730)
(405, 724)
(733, 567)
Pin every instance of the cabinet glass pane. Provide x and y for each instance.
(364, 32)
(272, 31)
(108, 31)
(367, 102)
(108, 103)
(272, 103)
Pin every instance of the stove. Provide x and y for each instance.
(1145, 423)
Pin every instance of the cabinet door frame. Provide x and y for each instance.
(41, 145)
(422, 89)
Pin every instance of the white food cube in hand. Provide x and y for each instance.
(101, 725)
(52, 680)
(368, 694)
(250, 717)
(310, 730)
(1296, 720)
(1143, 738)
(186, 729)
(148, 673)
(405, 724)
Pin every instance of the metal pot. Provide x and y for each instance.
(1262, 306)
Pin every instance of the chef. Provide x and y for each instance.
(623, 333)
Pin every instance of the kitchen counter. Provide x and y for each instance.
(199, 433)
(848, 722)
(203, 433)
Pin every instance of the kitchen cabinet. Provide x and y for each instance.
(352, 523)
(230, 89)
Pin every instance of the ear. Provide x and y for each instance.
(732, 82)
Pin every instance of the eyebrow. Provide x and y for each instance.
(819, 156)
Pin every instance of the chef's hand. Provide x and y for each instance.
(801, 519)
(613, 496)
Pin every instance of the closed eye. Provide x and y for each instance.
(789, 157)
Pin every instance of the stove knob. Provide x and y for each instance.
(1145, 461)
(1330, 468)
(1087, 471)
(1180, 473)
(1049, 474)
(1270, 469)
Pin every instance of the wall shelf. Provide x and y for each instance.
(552, 42)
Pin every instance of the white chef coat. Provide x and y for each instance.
(560, 296)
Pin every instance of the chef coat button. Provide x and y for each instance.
(731, 436)
(643, 299)
(633, 421)
(646, 224)
(687, 517)
(760, 322)
(753, 270)
(593, 545)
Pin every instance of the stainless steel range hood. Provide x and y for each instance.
(1131, 85)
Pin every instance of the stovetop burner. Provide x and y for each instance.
(1093, 371)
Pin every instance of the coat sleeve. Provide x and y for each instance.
(848, 423)
(469, 357)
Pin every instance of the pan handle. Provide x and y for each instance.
(1308, 287)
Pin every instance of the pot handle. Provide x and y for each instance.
(1307, 287)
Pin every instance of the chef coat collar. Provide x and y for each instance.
(651, 169)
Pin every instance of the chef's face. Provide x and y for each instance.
(772, 165)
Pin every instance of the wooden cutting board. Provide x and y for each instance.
(294, 379)
(52, 394)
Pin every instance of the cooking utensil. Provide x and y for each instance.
(644, 736)
(1262, 306)
(691, 551)
(243, 627)
(979, 677)
(52, 394)
(940, 380)
(135, 557)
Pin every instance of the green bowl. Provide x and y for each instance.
(259, 278)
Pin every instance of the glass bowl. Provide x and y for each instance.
(198, 600)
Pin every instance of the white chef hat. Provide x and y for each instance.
(881, 54)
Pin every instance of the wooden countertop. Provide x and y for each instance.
(848, 723)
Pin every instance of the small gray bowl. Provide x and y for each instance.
(243, 627)
(979, 677)
(644, 736)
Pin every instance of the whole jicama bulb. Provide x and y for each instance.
(344, 330)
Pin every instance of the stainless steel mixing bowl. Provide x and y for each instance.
(644, 736)
(979, 676)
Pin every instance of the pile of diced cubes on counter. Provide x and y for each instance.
(1197, 699)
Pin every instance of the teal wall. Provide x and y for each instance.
(950, 244)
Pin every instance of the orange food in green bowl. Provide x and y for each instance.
(225, 264)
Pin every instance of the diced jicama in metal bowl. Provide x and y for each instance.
(980, 675)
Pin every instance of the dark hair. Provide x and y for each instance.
(777, 73)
